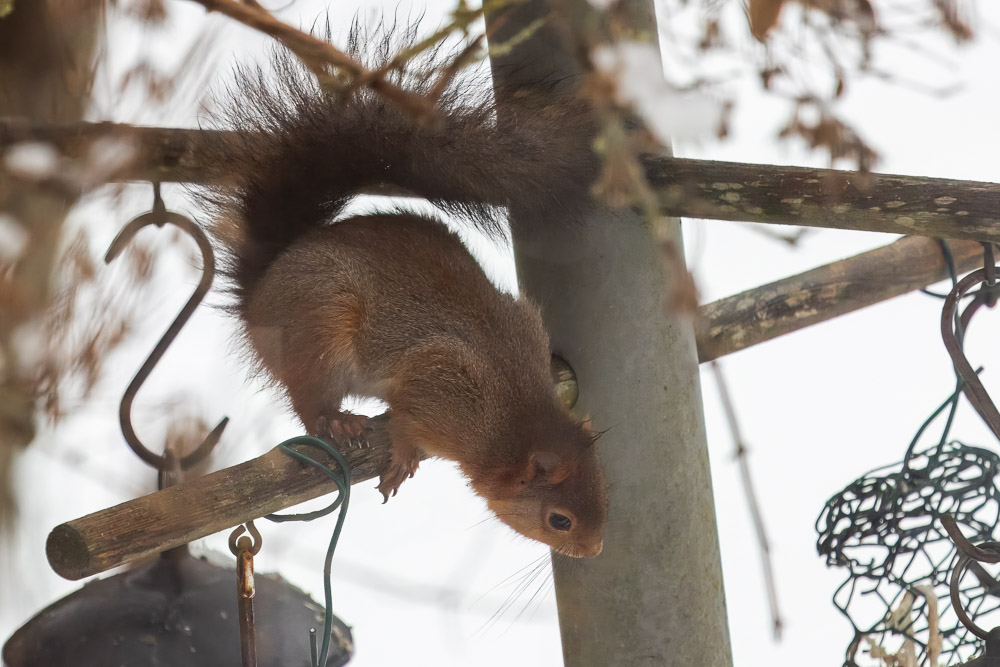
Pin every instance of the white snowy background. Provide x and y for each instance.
(425, 579)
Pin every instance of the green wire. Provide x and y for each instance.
(343, 481)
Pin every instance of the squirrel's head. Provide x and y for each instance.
(556, 493)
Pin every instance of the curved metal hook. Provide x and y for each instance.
(973, 388)
(160, 216)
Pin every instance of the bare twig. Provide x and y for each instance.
(318, 54)
(457, 64)
(751, 495)
(462, 18)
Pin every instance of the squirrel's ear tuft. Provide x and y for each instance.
(546, 466)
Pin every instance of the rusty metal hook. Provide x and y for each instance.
(159, 216)
(953, 336)
(245, 549)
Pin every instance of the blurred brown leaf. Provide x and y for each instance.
(763, 15)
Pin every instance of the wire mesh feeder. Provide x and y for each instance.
(885, 529)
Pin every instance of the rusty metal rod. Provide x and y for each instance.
(245, 548)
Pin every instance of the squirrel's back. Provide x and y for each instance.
(402, 279)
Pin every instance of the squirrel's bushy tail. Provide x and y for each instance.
(303, 152)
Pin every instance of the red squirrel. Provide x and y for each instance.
(393, 305)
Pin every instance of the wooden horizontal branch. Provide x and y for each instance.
(150, 153)
(764, 313)
(143, 527)
(830, 198)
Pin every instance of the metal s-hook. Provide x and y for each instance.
(160, 216)
(953, 333)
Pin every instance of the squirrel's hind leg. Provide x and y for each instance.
(404, 457)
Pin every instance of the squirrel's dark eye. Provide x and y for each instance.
(560, 522)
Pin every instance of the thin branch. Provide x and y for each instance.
(318, 54)
(462, 18)
(751, 496)
(464, 58)
(730, 324)
(148, 525)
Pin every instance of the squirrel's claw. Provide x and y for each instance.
(345, 430)
(386, 494)
(395, 473)
(323, 429)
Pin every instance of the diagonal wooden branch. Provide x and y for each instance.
(766, 312)
(163, 520)
(318, 54)
(830, 198)
(145, 526)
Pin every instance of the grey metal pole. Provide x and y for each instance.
(655, 595)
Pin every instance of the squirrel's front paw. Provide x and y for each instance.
(345, 429)
(397, 470)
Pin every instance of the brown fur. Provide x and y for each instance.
(393, 306)
(463, 367)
